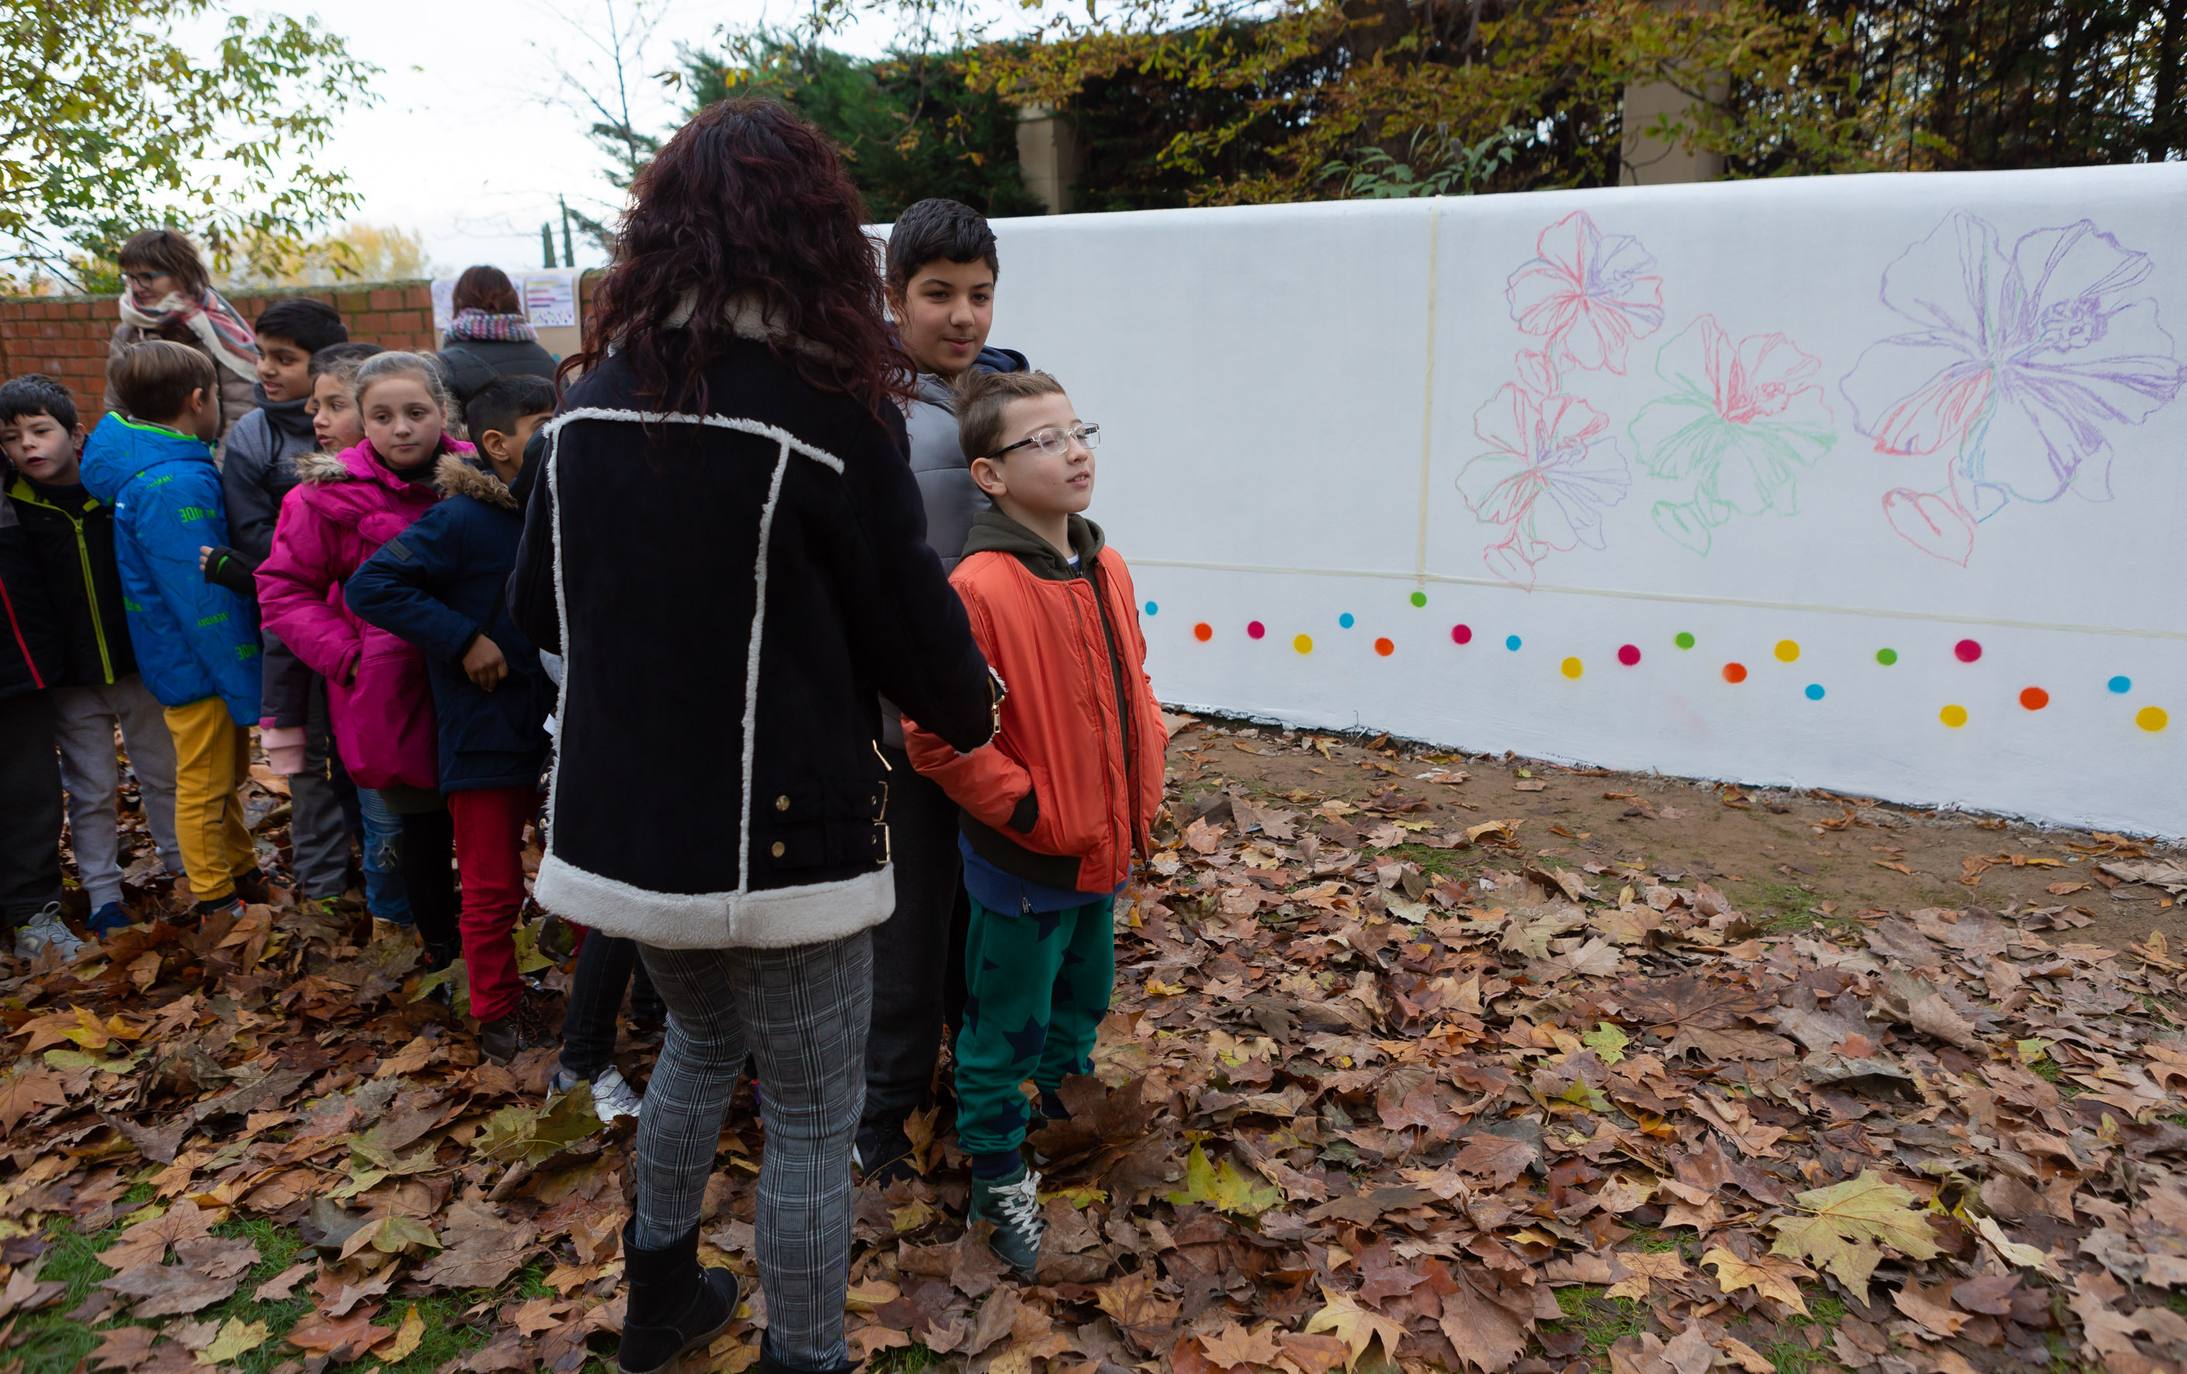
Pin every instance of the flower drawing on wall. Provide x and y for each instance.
(1587, 294)
(1550, 472)
(1740, 424)
(2018, 367)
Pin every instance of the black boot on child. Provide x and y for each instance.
(675, 1306)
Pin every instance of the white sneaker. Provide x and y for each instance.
(45, 930)
(612, 1096)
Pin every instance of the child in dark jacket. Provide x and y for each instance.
(258, 468)
(30, 786)
(71, 535)
(196, 643)
(440, 585)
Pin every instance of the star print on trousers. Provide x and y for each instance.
(1036, 988)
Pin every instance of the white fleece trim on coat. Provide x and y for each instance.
(772, 918)
(711, 920)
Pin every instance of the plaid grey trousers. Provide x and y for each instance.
(802, 1013)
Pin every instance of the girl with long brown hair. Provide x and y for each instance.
(726, 545)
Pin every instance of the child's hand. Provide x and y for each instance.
(483, 663)
(204, 555)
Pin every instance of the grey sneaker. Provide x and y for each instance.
(46, 931)
(612, 1096)
(1013, 1208)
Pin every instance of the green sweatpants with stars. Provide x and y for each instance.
(1036, 988)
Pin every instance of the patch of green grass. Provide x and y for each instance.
(1649, 1240)
(1794, 1355)
(1601, 1321)
(1786, 908)
(1432, 861)
(907, 1360)
(2047, 1069)
(2177, 1118)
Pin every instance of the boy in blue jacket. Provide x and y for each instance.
(196, 643)
(440, 584)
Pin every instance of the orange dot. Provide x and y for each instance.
(1385, 647)
(1735, 672)
(2034, 698)
(1203, 632)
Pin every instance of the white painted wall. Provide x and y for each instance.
(1296, 401)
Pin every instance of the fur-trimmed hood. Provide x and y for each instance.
(456, 476)
(360, 463)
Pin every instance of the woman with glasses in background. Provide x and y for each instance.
(167, 294)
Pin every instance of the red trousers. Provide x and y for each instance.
(490, 825)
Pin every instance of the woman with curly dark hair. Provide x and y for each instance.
(725, 543)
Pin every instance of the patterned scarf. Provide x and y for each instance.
(210, 319)
(484, 326)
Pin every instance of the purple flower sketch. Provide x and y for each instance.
(1549, 474)
(1741, 423)
(2018, 365)
(1588, 294)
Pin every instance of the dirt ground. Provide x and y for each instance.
(1792, 858)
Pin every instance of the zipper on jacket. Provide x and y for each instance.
(91, 588)
(1123, 709)
(91, 598)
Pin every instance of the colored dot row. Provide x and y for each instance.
(2150, 718)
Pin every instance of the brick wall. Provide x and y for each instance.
(66, 337)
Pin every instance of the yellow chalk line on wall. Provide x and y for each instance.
(1671, 598)
(1427, 405)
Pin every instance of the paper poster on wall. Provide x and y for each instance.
(547, 296)
(1862, 483)
(550, 297)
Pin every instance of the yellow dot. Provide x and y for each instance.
(1304, 644)
(1571, 667)
(1954, 716)
(2152, 718)
(1788, 651)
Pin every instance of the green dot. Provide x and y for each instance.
(1886, 657)
(1419, 598)
(1684, 640)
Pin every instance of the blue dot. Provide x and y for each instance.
(1814, 691)
(1346, 620)
(1512, 643)
(2121, 685)
(1152, 608)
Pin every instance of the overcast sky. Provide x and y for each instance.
(471, 142)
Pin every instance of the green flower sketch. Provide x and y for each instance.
(1741, 423)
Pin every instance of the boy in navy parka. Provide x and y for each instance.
(440, 584)
(196, 643)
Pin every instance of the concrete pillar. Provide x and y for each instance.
(1049, 157)
(1650, 161)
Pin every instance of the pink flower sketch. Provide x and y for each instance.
(1741, 423)
(1588, 294)
(1549, 474)
(2018, 366)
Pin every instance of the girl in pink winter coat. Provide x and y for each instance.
(343, 508)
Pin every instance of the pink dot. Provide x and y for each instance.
(1629, 655)
(1967, 650)
(1461, 634)
(1254, 629)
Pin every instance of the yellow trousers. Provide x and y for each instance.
(212, 758)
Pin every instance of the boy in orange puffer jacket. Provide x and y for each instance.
(1056, 807)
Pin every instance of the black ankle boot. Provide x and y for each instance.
(675, 1306)
(768, 1364)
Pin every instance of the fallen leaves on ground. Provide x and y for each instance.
(1381, 1086)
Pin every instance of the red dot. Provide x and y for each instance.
(1967, 650)
(1461, 634)
(1384, 647)
(1203, 632)
(1735, 672)
(1629, 655)
(2034, 698)
(1254, 629)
